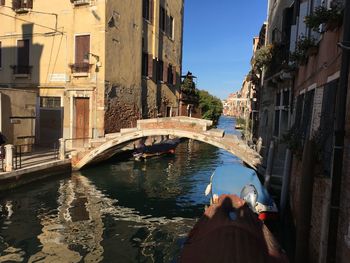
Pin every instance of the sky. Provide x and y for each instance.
(218, 41)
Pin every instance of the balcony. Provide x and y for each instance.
(22, 6)
(80, 2)
(19, 71)
(80, 69)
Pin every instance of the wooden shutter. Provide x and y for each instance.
(2, 2)
(29, 4)
(150, 66)
(151, 7)
(165, 72)
(23, 52)
(82, 48)
(174, 75)
(16, 4)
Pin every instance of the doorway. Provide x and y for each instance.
(81, 121)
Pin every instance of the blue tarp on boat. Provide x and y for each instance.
(232, 178)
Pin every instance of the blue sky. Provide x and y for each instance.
(218, 39)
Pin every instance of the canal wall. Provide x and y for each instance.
(10, 180)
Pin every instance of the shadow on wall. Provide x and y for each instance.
(20, 77)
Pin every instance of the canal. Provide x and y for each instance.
(116, 212)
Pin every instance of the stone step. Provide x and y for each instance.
(216, 133)
(128, 130)
(112, 135)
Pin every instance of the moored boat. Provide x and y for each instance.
(148, 151)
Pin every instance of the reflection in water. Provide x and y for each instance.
(125, 212)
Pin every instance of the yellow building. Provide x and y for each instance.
(93, 66)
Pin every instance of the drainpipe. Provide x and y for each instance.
(338, 146)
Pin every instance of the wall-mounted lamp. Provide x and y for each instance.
(98, 63)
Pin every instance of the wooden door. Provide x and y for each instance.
(81, 121)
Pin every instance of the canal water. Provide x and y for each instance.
(115, 212)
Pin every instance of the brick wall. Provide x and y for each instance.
(121, 108)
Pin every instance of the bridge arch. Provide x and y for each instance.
(182, 127)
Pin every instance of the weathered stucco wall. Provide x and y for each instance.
(123, 57)
(18, 112)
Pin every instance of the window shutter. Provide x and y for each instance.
(150, 66)
(30, 4)
(82, 48)
(2, 2)
(23, 52)
(174, 75)
(155, 76)
(165, 72)
(16, 4)
(151, 7)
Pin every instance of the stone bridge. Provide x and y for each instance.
(185, 127)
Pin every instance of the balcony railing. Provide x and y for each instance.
(22, 6)
(78, 68)
(80, 2)
(19, 70)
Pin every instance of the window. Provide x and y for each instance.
(277, 123)
(50, 102)
(82, 50)
(170, 74)
(2, 2)
(171, 27)
(144, 64)
(278, 99)
(20, 5)
(327, 124)
(160, 68)
(23, 50)
(162, 19)
(147, 10)
(286, 98)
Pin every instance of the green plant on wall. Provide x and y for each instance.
(301, 53)
(332, 17)
(263, 57)
(188, 86)
(293, 140)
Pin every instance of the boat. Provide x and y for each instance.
(244, 182)
(230, 232)
(148, 151)
(238, 127)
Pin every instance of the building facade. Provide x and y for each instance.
(96, 66)
(303, 86)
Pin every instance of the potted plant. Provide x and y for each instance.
(263, 57)
(330, 17)
(305, 47)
